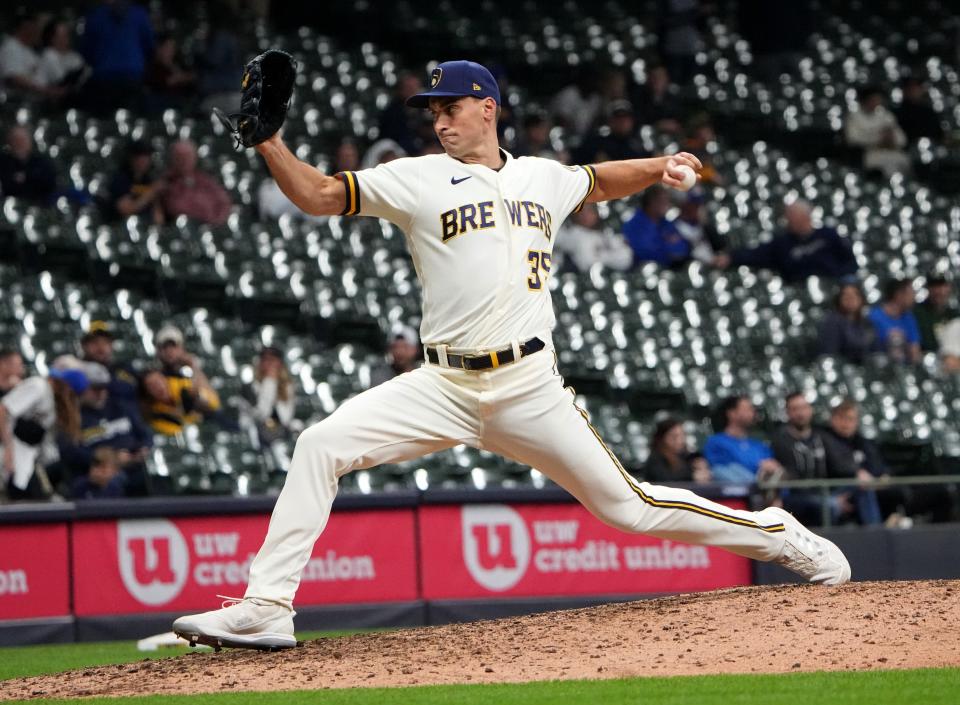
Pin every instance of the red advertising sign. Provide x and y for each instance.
(487, 550)
(34, 572)
(163, 565)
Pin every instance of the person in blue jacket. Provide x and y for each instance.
(800, 251)
(732, 454)
(651, 236)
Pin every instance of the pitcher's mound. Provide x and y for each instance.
(776, 629)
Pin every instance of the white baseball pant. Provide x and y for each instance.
(521, 411)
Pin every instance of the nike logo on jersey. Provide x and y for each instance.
(454, 182)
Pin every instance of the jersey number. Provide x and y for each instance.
(539, 262)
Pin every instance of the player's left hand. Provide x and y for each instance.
(672, 176)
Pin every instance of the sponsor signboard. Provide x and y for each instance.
(129, 566)
(490, 550)
(34, 572)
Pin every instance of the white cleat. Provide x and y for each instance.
(811, 556)
(248, 623)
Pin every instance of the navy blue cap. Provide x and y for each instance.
(455, 79)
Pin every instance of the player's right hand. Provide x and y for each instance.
(672, 175)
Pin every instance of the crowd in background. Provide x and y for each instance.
(92, 418)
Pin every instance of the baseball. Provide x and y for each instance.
(689, 177)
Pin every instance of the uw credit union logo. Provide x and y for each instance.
(496, 545)
(154, 560)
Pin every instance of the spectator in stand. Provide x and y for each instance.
(915, 115)
(950, 347)
(29, 415)
(700, 138)
(897, 332)
(273, 395)
(346, 157)
(578, 106)
(874, 129)
(135, 189)
(400, 123)
(800, 251)
(670, 457)
(106, 422)
(217, 59)
(103, 480)
(169, 84)
(12, 370)
(617, 140)
(402, 355)
(799, 447)
(190, 395)
(117, 44)
(583, 242)
(935, 312)
(20, 63)
(693, 225)
(191, 192)
(97, 346)
(534, 140)
(651, 236)
(24, 172)
(60, 65)
(851, 455)
(381, 152)
(845, 331)
(679, 36)
(734, 456)
(657, 103)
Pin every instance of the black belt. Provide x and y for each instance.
(487, 361)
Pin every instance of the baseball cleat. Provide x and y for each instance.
(811, 556)
(250, 623)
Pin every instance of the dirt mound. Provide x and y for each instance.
(745, 630)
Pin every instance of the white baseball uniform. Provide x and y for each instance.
(481, 241)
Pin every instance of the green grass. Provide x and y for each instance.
(22, 661)
(926, 687)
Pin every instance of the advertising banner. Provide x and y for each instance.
(34, 571)
(162, 565)
(489, 550)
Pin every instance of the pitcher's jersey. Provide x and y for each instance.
(481, 239)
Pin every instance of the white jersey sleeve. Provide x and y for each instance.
(573, 185)
(390, 191)
(27, 397)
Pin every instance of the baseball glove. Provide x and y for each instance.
(267, 88)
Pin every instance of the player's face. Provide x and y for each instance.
(458, 124)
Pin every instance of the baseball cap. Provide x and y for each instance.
(76, 379)
(97, 375)
(95, 330)
(620, 107)
(457, 79)
(400, 331)
(139, 148)
(168, 334)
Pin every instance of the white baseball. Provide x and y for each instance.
(689, 177)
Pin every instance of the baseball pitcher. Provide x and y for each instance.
(480, 226)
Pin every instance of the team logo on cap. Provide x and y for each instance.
(435, 77)
(476, 87)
